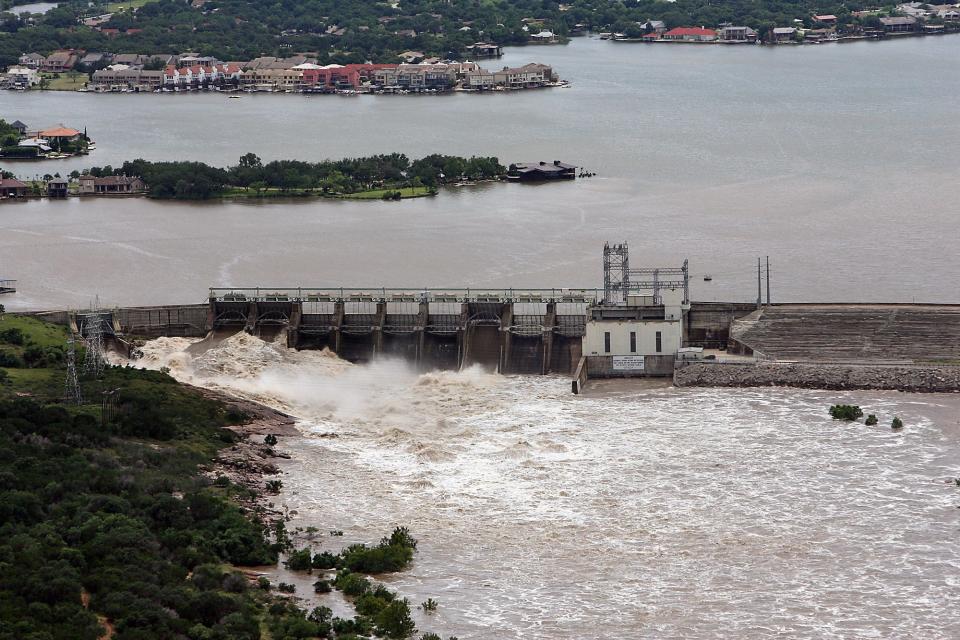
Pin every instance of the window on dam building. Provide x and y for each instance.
(633, 342)
(606, 342)
(659, 341)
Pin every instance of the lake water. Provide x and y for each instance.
(838, 161)
(36, 7)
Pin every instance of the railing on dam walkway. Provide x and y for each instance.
(402, 294)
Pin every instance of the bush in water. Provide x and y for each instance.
(299, 560)
(871, 420)
(325, 560)
(897, 424)
(847, 412)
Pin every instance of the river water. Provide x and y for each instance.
(838, 161)
(631, 512)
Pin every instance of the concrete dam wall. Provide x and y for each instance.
(521, 332)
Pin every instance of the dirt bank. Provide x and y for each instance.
(912, 378)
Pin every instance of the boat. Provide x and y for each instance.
(233, 97)
(707, 278)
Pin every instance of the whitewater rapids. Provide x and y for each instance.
(634, 512)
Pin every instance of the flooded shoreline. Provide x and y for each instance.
(642, 512)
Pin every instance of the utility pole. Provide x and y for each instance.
(759, 288)
(768, 280)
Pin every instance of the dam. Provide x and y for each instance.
(642, 323)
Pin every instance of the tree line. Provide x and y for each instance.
(198, 181)
(108, 528)
(376, 31)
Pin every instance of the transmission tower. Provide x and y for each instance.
(93, 362)
(616, 272)
(72, 386)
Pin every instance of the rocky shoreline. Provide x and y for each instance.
(249, 462)
(908, 378)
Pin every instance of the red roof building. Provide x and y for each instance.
(691, 34)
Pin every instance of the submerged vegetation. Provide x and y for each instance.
(848, 412)
(110, 528)
(852, 413)
(390, 177)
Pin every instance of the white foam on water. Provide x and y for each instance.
(645, 513)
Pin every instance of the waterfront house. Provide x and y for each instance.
(20, 127)
(480, 80)
(781, 35)
(544, 37)
(829, 19)
(111, 185)
(130, 60)
(536, 171)
(39, 146)
(12, 188)
(528, 76)
(899, 24)
(732, 33)
(914, 9)
(60, 61)
(60, 134)
(57, 188)
(121, 78)
(411, 57)
(948, 13)
(690, 34)
(31, 60)
(23, 77)
(654, 26)
(485, 50)
(92, 59)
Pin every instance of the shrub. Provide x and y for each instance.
(897, 424)
(270, 440)
(370, 605)
(325, 560)
(10, 359)
(871, 420)
(13, 336)
(264, 583)
(274, 486)
(321, 586)
(352, 584)
(394, 620)
(429, 605)
(286, 587)
(299, 560)
(321, 615)
(430, 636)
(848, 412)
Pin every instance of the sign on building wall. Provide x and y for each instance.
(628, 363)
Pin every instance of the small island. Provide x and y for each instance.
(381, 177)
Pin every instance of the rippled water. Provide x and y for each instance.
(635, 512)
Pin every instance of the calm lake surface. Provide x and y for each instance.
(36, 7)
(839, 161)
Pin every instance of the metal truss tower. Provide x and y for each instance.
(92, 330)
(616, 273)
(72, 385)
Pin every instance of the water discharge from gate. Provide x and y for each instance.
(633, 512)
